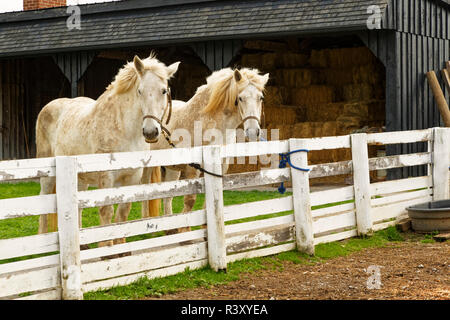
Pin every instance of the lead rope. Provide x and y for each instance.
(197, 166)
(285, 159)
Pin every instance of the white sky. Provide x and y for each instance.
(17, 5)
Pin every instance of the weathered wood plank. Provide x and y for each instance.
(394, 210)
(441, 156)
(399, 161)
(27, 169)
(257, 208)
(109, 196)
(42, 279)
(68, 226)
(134, 160)
(27, 206)
(158, 273)
(332, 196)
(361, 185)
(259, 238)
(401, 185)
(399, 137)
(24, 246)
(334, 222)
(143, 262)
(335, 237)
(214, 208)
(397, 197)
(142, 226)
(261, 252)
(142, 244)
(301, 196)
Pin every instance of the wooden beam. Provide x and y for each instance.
(439, 96)
(446, 76)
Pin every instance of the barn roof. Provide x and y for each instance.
(159, 22)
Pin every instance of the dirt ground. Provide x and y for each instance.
(407, 270)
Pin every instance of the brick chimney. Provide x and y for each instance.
(42, 4)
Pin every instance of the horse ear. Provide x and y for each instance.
(139, 65)
(172, 69)
(237, 75)
(265, 78)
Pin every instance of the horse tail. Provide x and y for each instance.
(154, 206)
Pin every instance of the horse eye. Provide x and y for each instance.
(262, 98)
(164, 91)
(240, 99)
(139, 92)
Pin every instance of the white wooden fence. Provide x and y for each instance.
(358, 209)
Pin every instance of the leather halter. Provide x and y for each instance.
(262, 123)
(169, 107)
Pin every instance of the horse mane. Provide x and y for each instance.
(127, 77)
(224, 88)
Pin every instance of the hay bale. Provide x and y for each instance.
(312, 96)
(302, 130)
(271, 61)
(359, 92)
(294, 60)
(281, 115)
(347, 124)
(294, 78)
(275, 96)
(324, 112)
(358, 109)
(251, 60)
(366, 74)
(336, 77)
(350, 57)
(319, 58)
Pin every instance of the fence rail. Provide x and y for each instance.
(297, 221)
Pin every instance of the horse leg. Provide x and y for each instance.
(122, 212)
(48, 185)
(189, 200)
(106, 212)
(146, 176)
(82, 187)
(170, 175)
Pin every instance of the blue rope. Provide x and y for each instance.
(285, 159)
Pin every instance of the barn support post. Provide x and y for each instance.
(441, 163)
(304, 233)
(361, 183)
(212, 162)
(68, 226)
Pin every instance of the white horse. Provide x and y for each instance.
(125, 118)
(229, 99)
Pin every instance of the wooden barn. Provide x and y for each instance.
(336, 66)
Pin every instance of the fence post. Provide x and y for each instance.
(441, 156)
(361, 183)
(212, 162)
(304, 233)
(69, 232)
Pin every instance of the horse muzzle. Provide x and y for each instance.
(152, 135)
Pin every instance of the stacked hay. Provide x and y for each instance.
(312, 95)
(275, 96)
(324, 93)
(294, 77)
